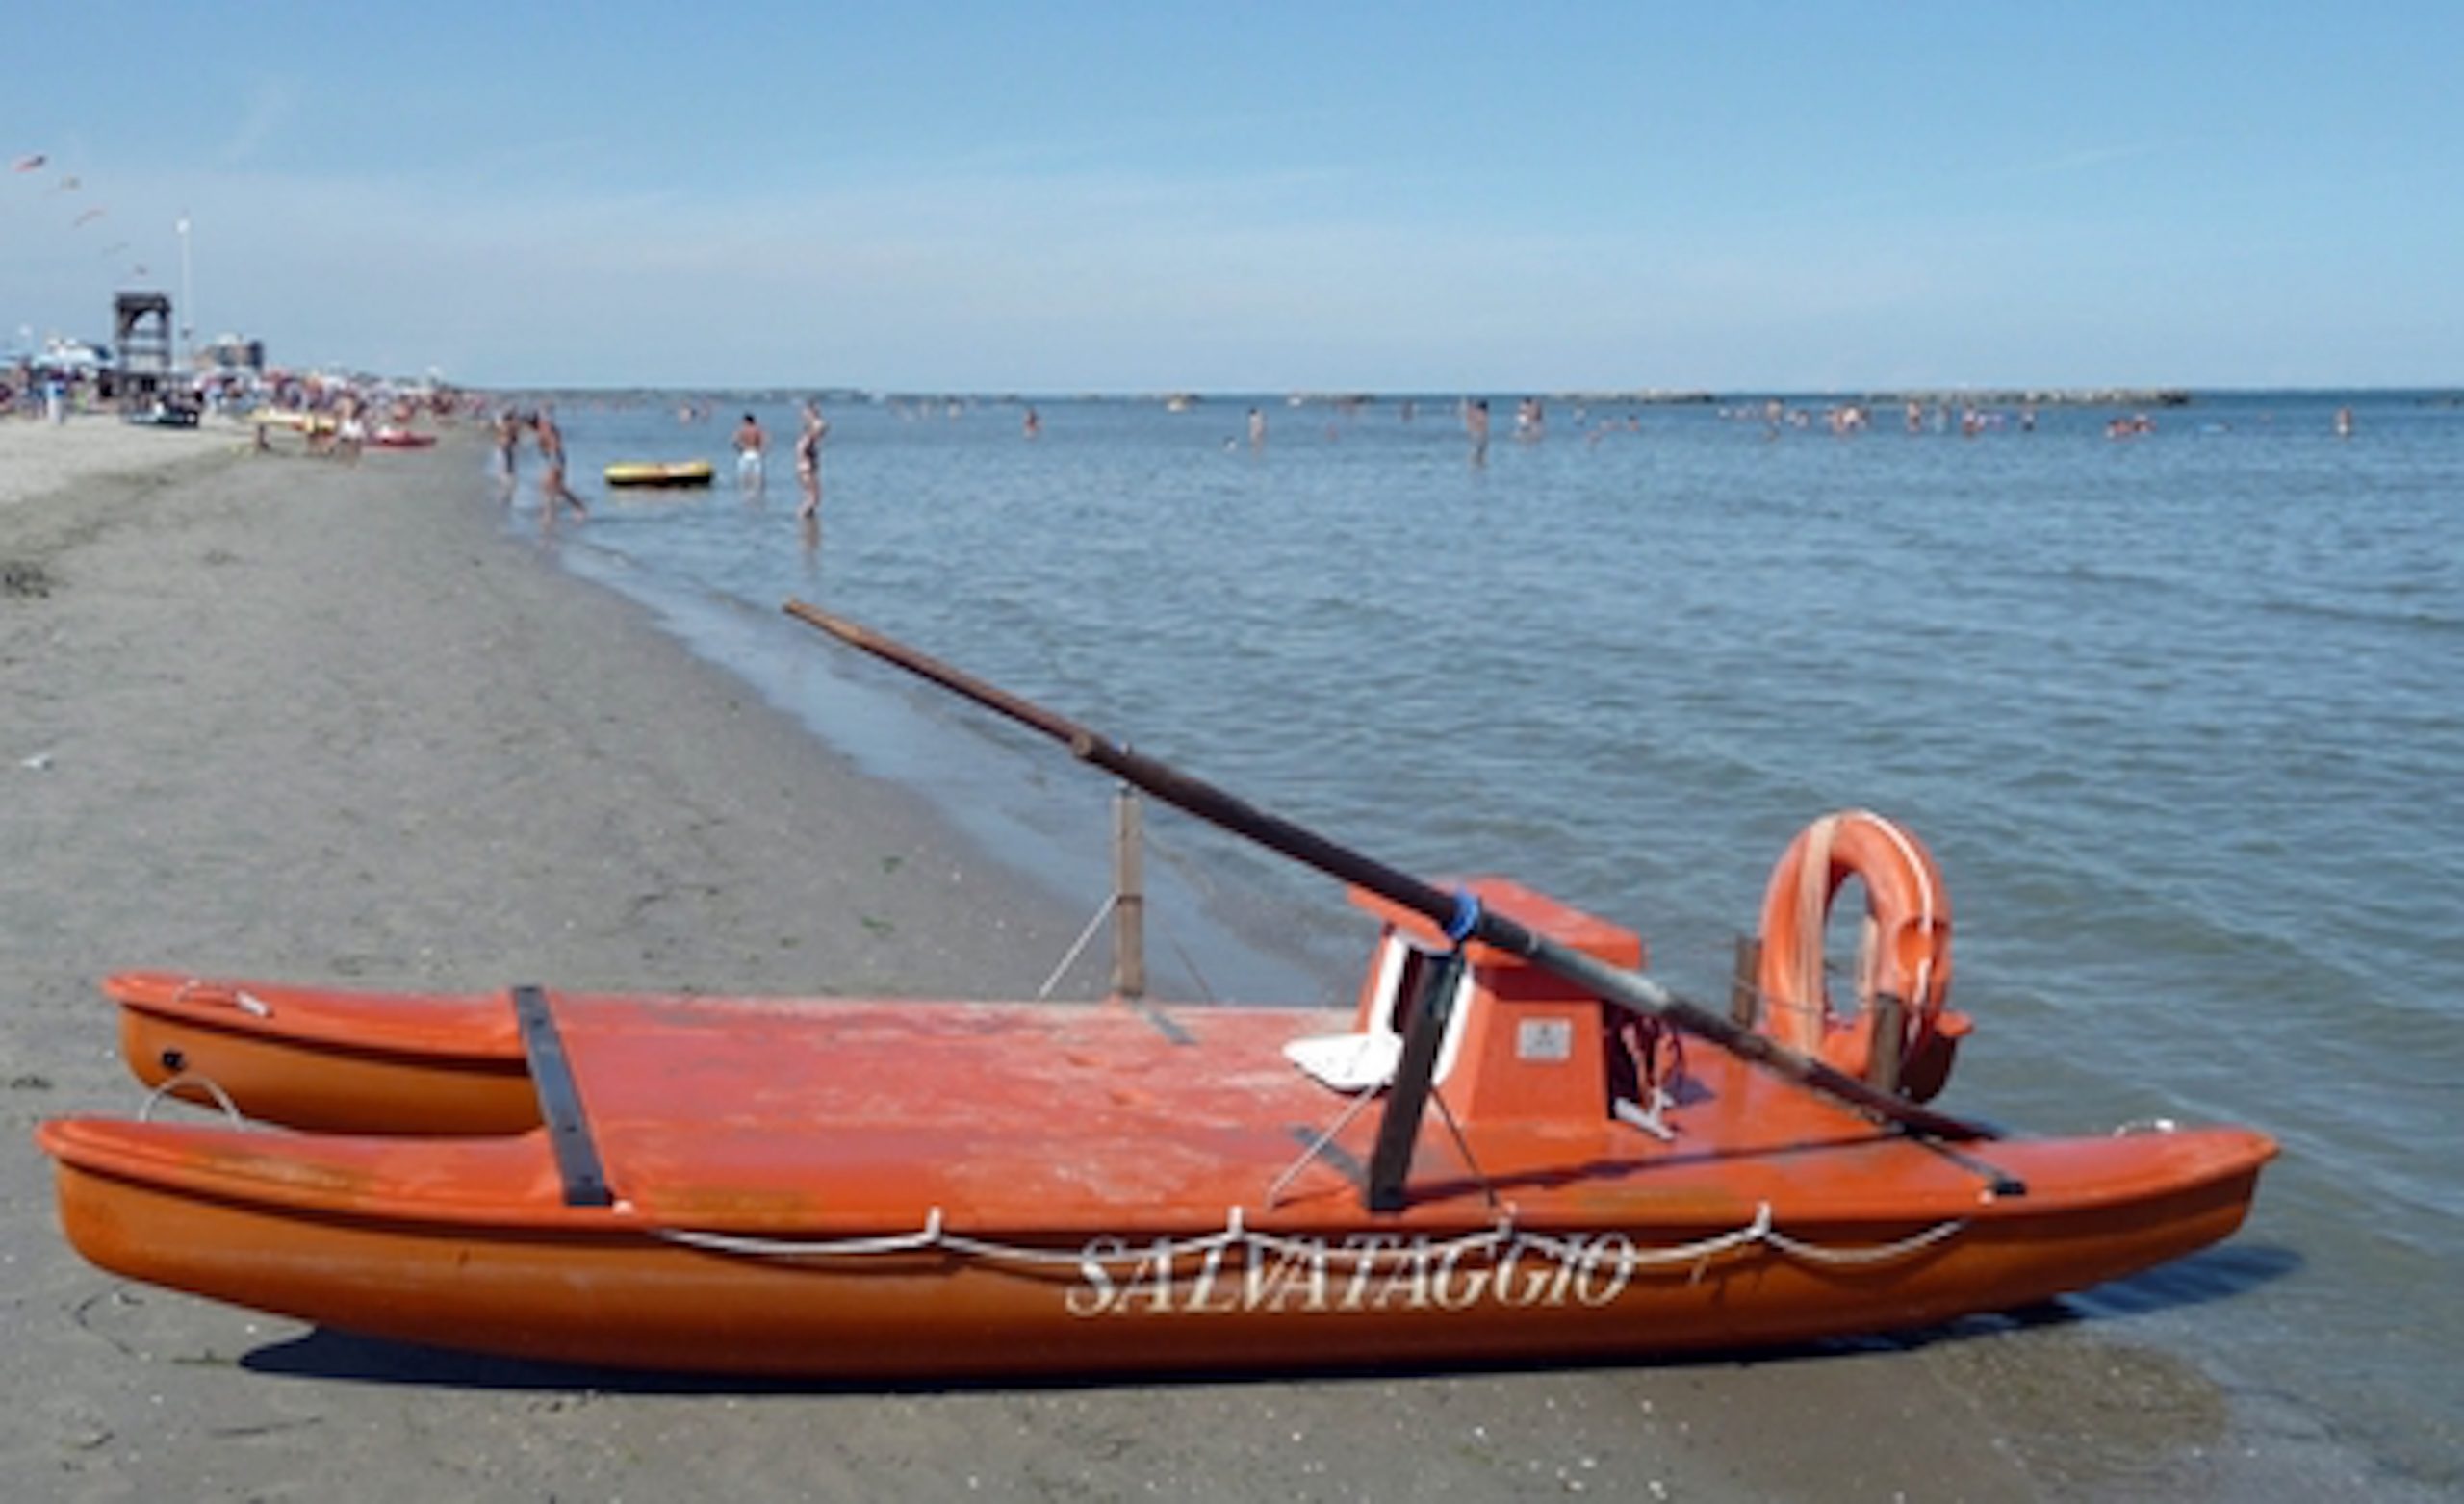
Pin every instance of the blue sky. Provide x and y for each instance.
(1125, 197)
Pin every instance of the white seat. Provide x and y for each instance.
(1347, 1062)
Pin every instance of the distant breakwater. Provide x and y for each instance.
(2069, 397)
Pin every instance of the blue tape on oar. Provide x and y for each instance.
(1467, 917)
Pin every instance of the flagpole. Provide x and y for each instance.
(187, 318)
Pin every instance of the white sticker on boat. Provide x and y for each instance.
(1544, 1039)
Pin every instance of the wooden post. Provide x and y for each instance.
(1745, 990)
(1129, 895)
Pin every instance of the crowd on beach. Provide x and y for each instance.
(30, 389)
(335, 416)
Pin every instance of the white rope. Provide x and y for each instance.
(1205, 989)
(1071, 959)
(1236, 1234)
(221, 1098)
(1883, 1253)
(1078, 948)
(1697, 1252)
(1318, 1145)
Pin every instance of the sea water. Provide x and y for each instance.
(2181, 714)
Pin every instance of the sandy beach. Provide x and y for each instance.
(277, 717)
(36, 458)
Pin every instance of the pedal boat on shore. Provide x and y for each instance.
(888, 1189)
(294, 418)
(651, 474)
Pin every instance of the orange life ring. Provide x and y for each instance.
(1907, 953)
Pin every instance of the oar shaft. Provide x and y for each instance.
(1615, 984)
(1166, 784)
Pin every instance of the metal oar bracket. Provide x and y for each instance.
(1390, 1163)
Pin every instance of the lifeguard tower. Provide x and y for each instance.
(141, 334)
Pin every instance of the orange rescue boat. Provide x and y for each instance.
(897, 1188)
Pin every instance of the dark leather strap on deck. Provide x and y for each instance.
(559, 1103)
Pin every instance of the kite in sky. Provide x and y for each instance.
(33, 163)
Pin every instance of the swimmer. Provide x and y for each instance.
(507, 431)
(553, 489)
(817, 428)
(749, 443)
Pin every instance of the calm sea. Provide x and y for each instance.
(2182, 716)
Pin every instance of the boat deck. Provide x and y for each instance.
(826, 1118)
(757, 1115)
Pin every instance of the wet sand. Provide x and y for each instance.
(288, 718)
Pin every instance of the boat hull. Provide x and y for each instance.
(328, 1061)
(621, 1295)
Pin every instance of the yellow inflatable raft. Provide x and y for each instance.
(658, 472)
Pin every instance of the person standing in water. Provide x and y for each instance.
(749, 444)
(553, 489)
(808, 458)
(1475, 423)
(350, 428)
(1257, 429)
(508, 432)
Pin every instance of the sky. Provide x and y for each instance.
(1123, 198)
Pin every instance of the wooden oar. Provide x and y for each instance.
(1461, 918)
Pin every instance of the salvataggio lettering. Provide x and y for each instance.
(1362, 1272)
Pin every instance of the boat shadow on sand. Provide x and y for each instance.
(324, 1353)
